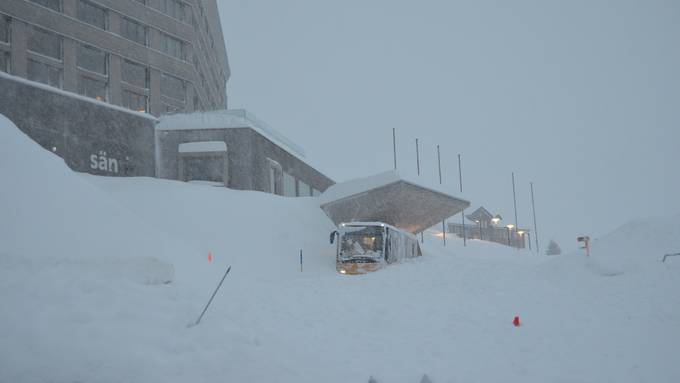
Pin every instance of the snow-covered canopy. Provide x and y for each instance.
(387, 197)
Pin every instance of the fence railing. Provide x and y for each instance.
(501, 235)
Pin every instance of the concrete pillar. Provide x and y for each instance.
(19, 41)
(190, 98)
(155, 92)
(115, 96)
(154, 39)
(70, 72)
(114, 22)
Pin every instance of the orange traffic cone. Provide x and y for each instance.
(516, 321)
(210, 256)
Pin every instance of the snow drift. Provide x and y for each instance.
(99, 278)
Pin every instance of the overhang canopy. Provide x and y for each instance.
(388, 198)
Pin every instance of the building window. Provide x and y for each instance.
(93, 88)
(173, 87)
(304, 190)
(172, 109)
(44, 73)
(172, 8)
(51, 4)
(45, 43)
(135, 74)
(92, 59)
(172, 46)
(4, 61)
(4, 29)
(135, 101)
(92, 14)
(133, 30)
(315, 193)
(275, 176)
(288, 185)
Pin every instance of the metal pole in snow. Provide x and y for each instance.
(439, 164)
(394, 147)
(301, 260)
(462, 213)
(213, 296)
(514, 199)
(533, 208)
(444, 231)
(417, 157)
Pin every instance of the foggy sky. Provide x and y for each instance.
(580, 97)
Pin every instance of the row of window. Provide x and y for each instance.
(97, 16)
(93, 73)
(173, 8)
(283, 183)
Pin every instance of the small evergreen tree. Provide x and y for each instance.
(553, 248)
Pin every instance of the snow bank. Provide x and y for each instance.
(85, 261)
(635, 247)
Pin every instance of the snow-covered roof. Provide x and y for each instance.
(202, 147)
(359, 185)
(387, 197)
(224, 119)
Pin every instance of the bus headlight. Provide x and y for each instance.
(343, 271)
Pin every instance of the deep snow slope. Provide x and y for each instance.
(99, 278)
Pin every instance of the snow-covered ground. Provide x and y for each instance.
(99, 278)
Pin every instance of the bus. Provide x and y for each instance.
(363, 247)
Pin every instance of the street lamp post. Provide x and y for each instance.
(509, 227)
(480, 229)
(495, 221)
(521, 236)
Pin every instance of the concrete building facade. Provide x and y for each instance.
(89, 79)
(235, 149)
(155, 56)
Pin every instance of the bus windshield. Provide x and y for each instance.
(362, 242)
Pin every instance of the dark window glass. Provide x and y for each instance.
(92, 88)
(91, 14)
(91, 59)
(204, 168)
(4, 29)
(135, 74)
(173, 87)
(135, 101)
(133, 30)
(52, 4)
(4, 61)
(45, 43)
(46, 74)
(173, 8)
(172, 46)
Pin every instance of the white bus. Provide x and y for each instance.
(367, 246)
